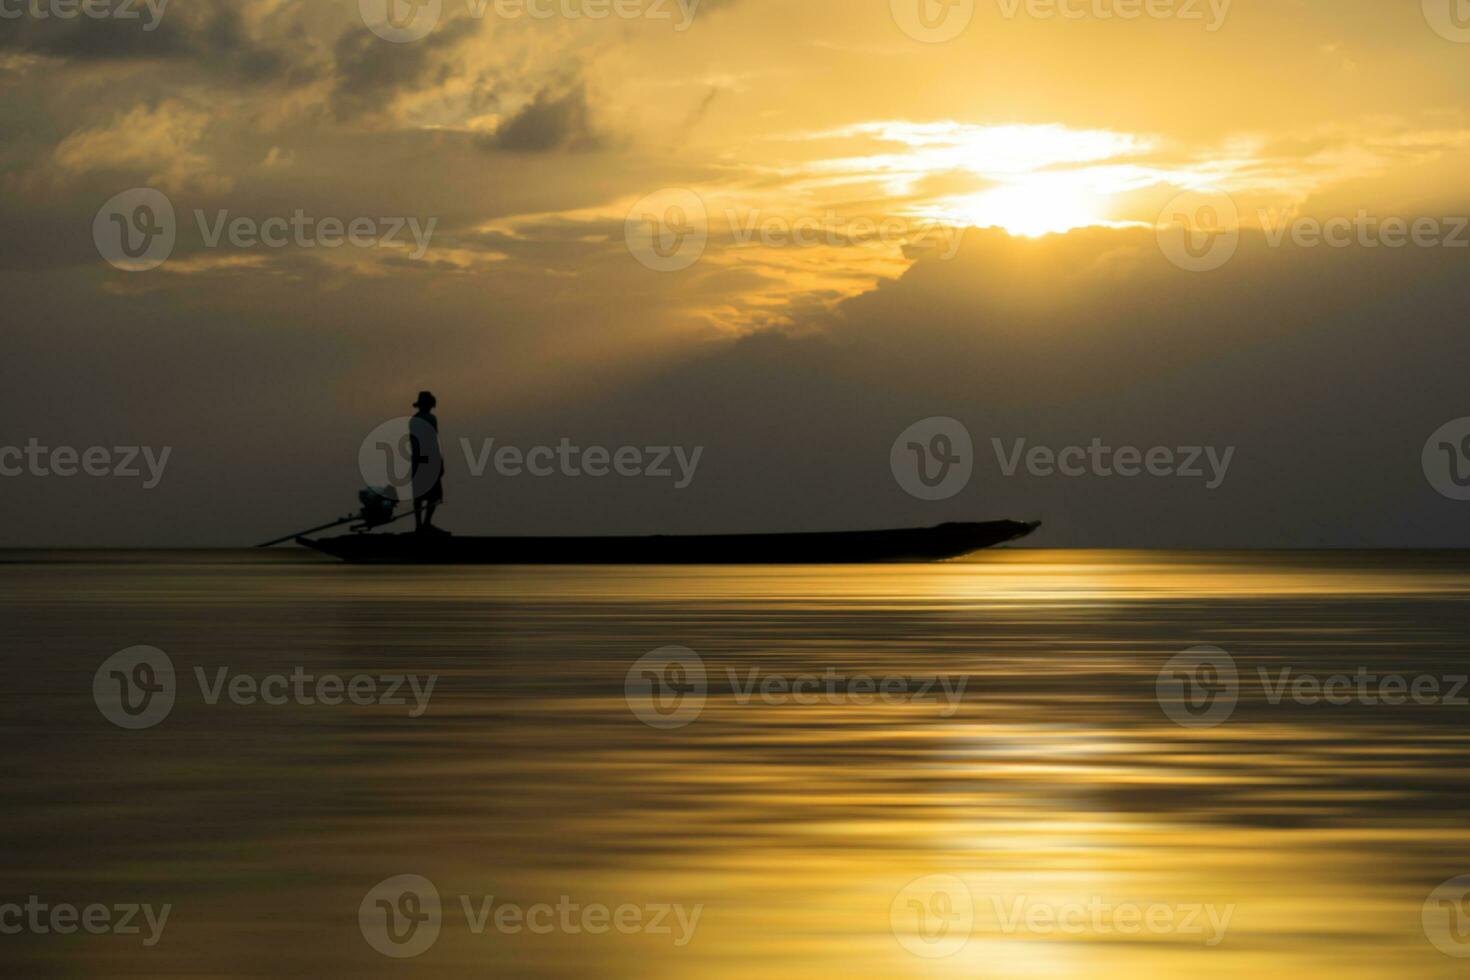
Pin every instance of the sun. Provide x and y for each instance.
(1036, 179)
(1031, 206)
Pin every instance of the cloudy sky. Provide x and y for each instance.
(778, 232)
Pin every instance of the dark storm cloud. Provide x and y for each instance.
(553, 121)
(213, 37)
(369, 73)
(224, 37)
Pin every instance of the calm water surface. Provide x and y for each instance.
(855, 836)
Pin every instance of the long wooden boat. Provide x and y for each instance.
(853, 547)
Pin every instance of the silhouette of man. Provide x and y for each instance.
(428, 463)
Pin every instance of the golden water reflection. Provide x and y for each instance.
(1294, 838)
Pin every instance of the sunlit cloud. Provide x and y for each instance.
(1010, 149)
(162, 140)
(1037, 179)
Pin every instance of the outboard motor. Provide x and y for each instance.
(377, 508)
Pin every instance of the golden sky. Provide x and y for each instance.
(813, 152)
(521, 122)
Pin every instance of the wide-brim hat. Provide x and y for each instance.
(426, 400)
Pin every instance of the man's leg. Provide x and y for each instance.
(418, 514)
(429, 514)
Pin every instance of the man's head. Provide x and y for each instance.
(427, 402)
